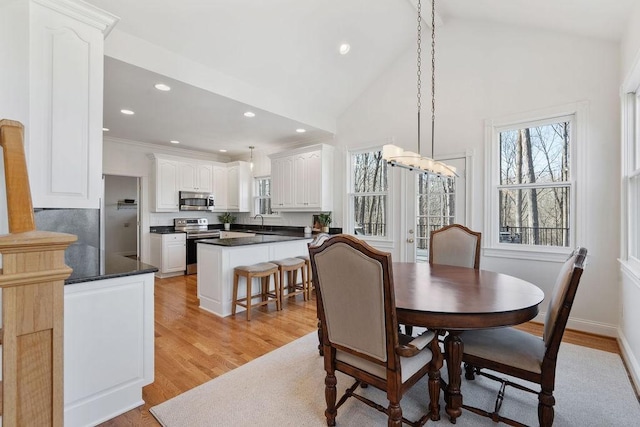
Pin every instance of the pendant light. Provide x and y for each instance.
(251, 147)
(396, 156)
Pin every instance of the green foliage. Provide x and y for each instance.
(325, 219)
(226, 218)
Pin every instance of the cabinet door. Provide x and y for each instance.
(288, 179)
(299, 181)
(188, 176)
(233, 196)
(220, 188)
(313, 179)
(166, 186)
(276, 183)
(174, 253)
(205, 177)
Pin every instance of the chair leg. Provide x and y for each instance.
(545, 408)
(249, 279)
(395, 415)
(277, 290)
(330, 396)
(235, 294)
(408, 330)
(305, 285)
(469, 372)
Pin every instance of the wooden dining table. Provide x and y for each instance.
(456, 299)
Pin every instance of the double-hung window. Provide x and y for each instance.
(262, 196)
(531, 184)
(369, 194)
(632, 171)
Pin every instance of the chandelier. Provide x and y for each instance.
(396, 156)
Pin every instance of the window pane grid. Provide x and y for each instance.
(369, 193)
(436, 209)
(535, 184)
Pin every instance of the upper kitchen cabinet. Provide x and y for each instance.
(165, 176)
(65, 69)
(239, 187)
(196, 176)
(302, 179)
(220, 188)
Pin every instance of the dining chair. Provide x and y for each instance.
(522, 355)
(455, 245)
(354, 287)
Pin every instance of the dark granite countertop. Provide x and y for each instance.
(90, 263)
(255, 240)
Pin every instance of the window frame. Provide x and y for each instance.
(577, 113)
(350, 222)
(631, 181)
(256, 197)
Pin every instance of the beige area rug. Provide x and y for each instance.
(286, 388)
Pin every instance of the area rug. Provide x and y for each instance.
(286, 388)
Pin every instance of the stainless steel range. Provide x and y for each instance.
(196, 229)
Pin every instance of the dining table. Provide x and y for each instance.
(452, 300)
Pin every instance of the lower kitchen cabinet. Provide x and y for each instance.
(169, 253)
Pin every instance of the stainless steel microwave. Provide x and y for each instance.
(196, 201)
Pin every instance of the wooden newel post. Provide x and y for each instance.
(32, 281)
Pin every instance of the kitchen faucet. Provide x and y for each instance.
(262, 220)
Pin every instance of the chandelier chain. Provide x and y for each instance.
(419, 68)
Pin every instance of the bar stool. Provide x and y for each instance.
(307, 267)
(291, 267)
(262, 270)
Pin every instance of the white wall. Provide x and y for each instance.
(629, 333)
(487, 71)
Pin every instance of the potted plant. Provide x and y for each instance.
(325, 220)
(227, 219)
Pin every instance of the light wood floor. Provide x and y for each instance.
(193, 346)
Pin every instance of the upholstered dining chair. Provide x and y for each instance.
(513, 352)
(354, 287)
(317, 241)
(455, 245)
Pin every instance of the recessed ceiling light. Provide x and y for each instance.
(300, 130)
(163, 87)
(127, 112)
(223, 150)
(173, 141)
(344, 48)
(249, 114)
(105, 129)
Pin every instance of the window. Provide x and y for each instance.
(532, 184)
(262, 198)
(633, 174)
(369, 194)
(436, 208)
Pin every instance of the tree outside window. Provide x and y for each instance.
(534, 190)
(436, 208)
(369, 194)
(262, 199)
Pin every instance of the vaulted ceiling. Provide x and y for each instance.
(279, 59)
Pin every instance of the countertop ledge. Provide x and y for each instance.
(255, 240)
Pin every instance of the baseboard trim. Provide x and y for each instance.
(589, 326)
(630, 360)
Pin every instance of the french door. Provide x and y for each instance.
(431, 202)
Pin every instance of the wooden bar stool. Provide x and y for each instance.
(263, 271)
(307, 267)
(291, 267)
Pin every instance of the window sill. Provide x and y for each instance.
(631, 268)
(531, 254)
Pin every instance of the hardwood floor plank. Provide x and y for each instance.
(193, 346)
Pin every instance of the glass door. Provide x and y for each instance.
(431, 203)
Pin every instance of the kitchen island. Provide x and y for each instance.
(218, 257)
(108, 334)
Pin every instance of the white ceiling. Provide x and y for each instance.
(288, 49)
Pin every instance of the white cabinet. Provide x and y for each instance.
(169, 253)
(195, 176)
(302, 180)
(108, 347)
(220, 189)
(282, 183)
(164, 185)
(65, 69)
(239, 187)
